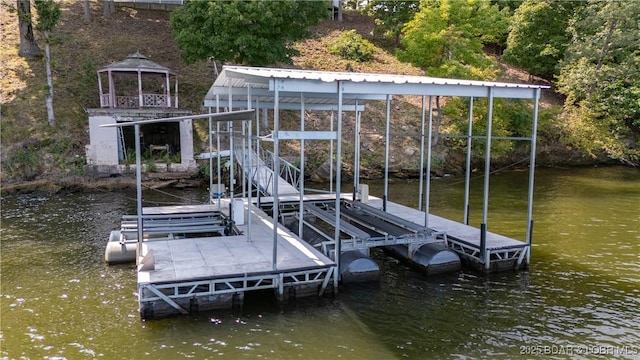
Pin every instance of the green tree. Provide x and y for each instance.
(538, 35)
(446, 38)
(48, 15)
(600, 75)
(351, 45)
(244, 32)
(390, 16)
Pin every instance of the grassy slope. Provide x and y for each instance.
(31, 149)
(79, 49)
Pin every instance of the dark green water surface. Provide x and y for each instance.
(579, 299)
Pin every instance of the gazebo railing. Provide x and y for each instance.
(129, 102)
(105, 100)
(154, 100)
(132, 102)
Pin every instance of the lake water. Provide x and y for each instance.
(580, 297)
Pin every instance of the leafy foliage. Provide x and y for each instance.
(245, 32)
(390, 16)
(599, 75)
(446, 38)
(49, 13)
(537, 38)
(513, 118)
(351, 45)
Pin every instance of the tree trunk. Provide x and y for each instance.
(28, 47)
(605, 50)
(49, 100)
(87, 11)
(108, 8)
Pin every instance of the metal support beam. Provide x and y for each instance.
(422, 120)
(250, 160)
(138, 189)
(331, 157)
(467, 177)
(385, 197)
(356, 157)
(487, 171)
(487, 160)
(210, 136)
(427, 197)
(336, 235)
(276, 166)
(301, 189)
(164, 297)
(532, 166)
(306, 135)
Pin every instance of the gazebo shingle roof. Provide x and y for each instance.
(135, 62)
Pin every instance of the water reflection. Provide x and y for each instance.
(582, 290)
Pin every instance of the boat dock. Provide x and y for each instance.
(269, 232)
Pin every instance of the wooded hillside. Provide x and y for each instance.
(588, 51)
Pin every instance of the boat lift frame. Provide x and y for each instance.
(280, 89)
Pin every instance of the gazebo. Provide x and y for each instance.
(137, 89)
(137, 82)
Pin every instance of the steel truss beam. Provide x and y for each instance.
(516, 253)
(210, 287)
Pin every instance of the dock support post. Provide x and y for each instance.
(276, 168)
(138, 189)
(232, 179)
(420, 196)
(237, 301)
(301, 180)
(258, 157)
(427, 197)
(210, 141)
(467, 173)
(218, 158)
(385, 198)
(356, 157)
(336, 234)
(529, 240)
(483, 242)
(532, 165)
(487, 167)
(281, 288)
(331, 157)
(249, 156)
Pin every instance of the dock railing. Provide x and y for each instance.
(288, 171)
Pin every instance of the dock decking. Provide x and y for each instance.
(173, 271)
(502, 252)
(180, 275)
